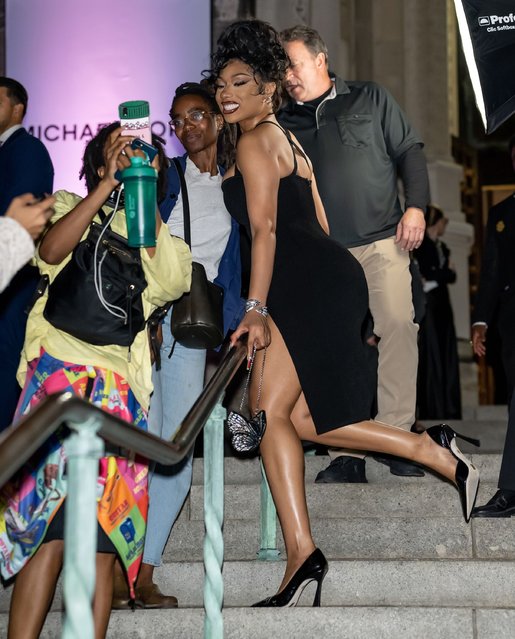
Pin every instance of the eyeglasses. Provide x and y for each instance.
(194, 116)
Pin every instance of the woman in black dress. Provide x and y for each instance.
(438, 383)
(316, 385)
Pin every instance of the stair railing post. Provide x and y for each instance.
(213, 518)
(83, 450)
(268, 550)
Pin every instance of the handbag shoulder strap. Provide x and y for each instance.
(105, 219)
(185, 203)
(112, 201)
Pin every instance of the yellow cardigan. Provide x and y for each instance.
(168, 276)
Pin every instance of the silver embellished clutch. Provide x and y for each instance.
(246, 434)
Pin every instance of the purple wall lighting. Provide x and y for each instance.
(78, 61)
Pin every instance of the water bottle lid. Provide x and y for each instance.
(134, 109)
(140, 167)
(139, 161)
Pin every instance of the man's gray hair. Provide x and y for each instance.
(311, 39)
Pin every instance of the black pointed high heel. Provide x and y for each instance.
(313, 569)
(467, 475)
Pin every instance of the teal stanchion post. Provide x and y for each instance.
(83, 450)
(213, 517)
(268, 550)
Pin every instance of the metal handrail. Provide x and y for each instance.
(20, 441)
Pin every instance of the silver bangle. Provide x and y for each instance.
(255, 305)
(251, 305)
(262, 310)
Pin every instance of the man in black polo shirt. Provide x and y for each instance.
(359, 141)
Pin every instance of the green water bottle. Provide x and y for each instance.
(140, 182)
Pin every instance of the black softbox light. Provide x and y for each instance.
(487, 29)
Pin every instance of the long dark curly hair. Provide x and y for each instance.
(257, 44)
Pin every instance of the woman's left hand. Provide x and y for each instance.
(255, 326)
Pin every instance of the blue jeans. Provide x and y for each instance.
(176, 387)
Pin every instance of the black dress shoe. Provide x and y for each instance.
(502, 504)
(343, 470)
(313, 569)
(399, 466)
(418, 428)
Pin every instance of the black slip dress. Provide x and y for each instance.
(318, 299)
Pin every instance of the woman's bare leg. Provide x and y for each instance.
(377, 437)
(289, 422)
(145, 575)
(34, 590)
(103, 592)
(281, 450)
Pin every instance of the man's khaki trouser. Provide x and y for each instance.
(386, 268)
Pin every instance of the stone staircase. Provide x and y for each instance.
(403, 563)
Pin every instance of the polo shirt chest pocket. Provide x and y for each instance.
(355, 129)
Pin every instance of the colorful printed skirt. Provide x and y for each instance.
(31, 499)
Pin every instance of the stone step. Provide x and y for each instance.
(468, 583)
(305, 623)
(410, 540)
(346, 501)
(490, 412)
(448, 583)
(430, 583)
(401, 558)
(364, 538)
(241, 471)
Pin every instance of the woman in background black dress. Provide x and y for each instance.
(315, 386)
(438, 385)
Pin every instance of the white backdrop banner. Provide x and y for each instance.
(79, 60)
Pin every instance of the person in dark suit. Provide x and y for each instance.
(25, 167)
(496, 294)
(502, 504)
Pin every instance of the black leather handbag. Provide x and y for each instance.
(96, 297)
(197, 317)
